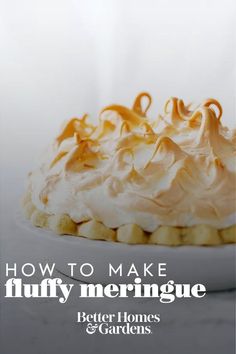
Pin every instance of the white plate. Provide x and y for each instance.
(212, 266)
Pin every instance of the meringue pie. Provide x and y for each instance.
(169, 180)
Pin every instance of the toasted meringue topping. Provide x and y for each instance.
(176, 170)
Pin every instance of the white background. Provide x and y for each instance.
(62, 58)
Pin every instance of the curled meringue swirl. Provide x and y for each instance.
(176, 170)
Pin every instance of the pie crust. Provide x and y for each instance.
(198, 235)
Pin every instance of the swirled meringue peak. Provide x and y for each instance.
(176, 170)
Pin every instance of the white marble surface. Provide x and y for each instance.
(47, 327)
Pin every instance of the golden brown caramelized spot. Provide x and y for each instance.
(211, 101)
(58, 158)
(76, 126)
(137, 106)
